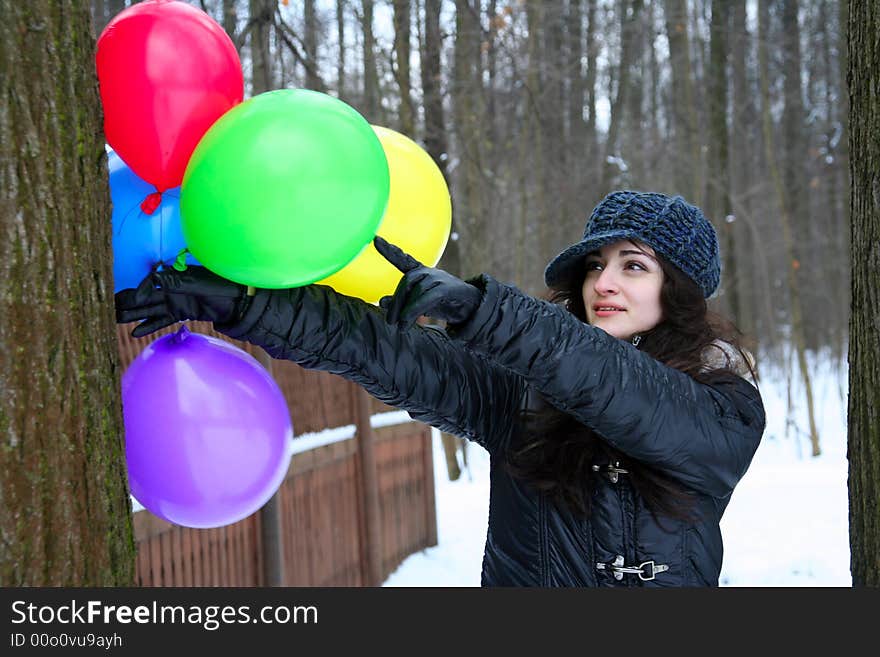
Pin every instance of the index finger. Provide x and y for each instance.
(395, 255)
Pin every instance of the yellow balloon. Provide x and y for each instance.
(418, 219)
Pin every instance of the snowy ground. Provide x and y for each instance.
(787, 523)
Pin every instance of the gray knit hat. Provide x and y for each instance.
(675, 229)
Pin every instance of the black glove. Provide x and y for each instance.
(169, 296)
(425, 291)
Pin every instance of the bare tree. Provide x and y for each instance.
(684, 116)
(864, 350)
(310, 43)
(436, 142)
(629, 21)
(718, 194)
(406, 115)
(371, 109)
(469, 113)
(340, 53)
(230, 19)
(261, 21)
(65, 513)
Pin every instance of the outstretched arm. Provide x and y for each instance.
(418, 369)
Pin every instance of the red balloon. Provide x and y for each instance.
(167, 72)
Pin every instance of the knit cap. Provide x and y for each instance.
(675, 229)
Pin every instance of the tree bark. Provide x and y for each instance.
(450, 451)
(371, 109)
(684, 118)
(436, 139)
(468, 104)
(261, 17)
(532, 146)
(558, 178)
(406, 115)
(863, 421)
(65, 512)
(794, 172)
(310, 46)
(742, 118)
(230, 19)
(340, 53)
(592, 155)
(628, 29)
(719, 205)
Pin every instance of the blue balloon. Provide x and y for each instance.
(142, 242)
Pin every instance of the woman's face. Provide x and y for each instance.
(622, 289)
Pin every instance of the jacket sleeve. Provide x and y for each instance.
(703, 435)
(420, 370)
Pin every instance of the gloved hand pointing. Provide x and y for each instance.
(425, 291)
(169, 296)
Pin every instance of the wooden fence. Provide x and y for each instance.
(325, 536)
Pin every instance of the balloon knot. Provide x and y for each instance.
(149, 204)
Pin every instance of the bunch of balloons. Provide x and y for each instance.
(207, 430)
(285, 189)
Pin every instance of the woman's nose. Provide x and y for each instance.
(606, 283)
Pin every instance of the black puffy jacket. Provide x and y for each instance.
(476, 383)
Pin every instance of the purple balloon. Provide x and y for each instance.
(207, 431)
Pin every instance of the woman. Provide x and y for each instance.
(618, 422)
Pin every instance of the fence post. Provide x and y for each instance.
(430, 501)
(370, 483)
(270, 519)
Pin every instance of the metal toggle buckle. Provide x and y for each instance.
(646, 571)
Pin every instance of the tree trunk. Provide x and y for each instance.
(558, 178)
(310, 45)
(719, 205)
(230, 19)
(406, 115)
(340, 56)
(628, 29)
(435, 128)
(794, 172)
(742, 118)
(684, 119)
(576, 140)
(532, 146)
(468, 104)
(436, 140)
(633, 149)
(450, 451)
(261, 12)
(371, 109)
(797, 332)
(65, 512)
(592, 156)
(656, 145)
(864, 350)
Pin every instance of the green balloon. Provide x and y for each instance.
(284, 190)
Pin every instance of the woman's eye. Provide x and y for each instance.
(637, 265)
(593, 266)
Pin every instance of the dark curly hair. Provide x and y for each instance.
(555, 453)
